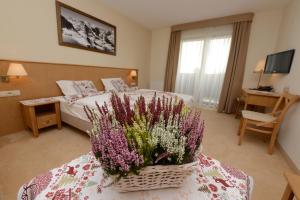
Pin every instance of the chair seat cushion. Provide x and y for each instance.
(256, 116)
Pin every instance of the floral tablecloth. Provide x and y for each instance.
(82, 179)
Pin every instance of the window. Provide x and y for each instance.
(202, 63)
(189, 51)
(217, 56)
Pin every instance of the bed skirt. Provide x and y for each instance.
(76, 122)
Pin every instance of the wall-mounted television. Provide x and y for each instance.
(279, 62)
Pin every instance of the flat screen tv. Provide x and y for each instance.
(279, 62)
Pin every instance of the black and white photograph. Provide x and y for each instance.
(80, 30)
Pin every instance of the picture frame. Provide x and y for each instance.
(78, 29)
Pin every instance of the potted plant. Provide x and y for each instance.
(146, 145)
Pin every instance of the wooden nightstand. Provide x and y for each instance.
(41, 113)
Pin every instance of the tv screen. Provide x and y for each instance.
(279, 62)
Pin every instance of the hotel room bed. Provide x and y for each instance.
(82, 177)
(74, 115)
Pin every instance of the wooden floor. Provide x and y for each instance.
(23, 157)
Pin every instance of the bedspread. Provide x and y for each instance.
(82, 177)
(73, 105)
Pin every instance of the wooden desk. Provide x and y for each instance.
(293, 187)
(259, 98)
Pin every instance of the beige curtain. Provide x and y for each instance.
(235, 68)
(172, 61)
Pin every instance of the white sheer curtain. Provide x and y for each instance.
(202, 63)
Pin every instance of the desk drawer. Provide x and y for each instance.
(46, 120)
(265, 101)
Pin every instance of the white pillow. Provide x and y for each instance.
(67, 87)
(86, 88)
(114, 84)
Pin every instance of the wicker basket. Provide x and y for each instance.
(156, 177)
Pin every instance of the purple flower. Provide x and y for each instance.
(192, 126)
(119, 137)
(112, 150)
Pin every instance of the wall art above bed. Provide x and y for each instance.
(79, 30)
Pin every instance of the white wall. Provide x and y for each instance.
(158, 58)
(289, 38)
(272, 31)
(29, 32)
(263, 38)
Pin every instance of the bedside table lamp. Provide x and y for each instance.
(260, 66)
(14, 70)
(133, 75)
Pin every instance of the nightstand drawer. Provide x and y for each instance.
(46, 120)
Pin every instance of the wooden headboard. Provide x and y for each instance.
(40, 82)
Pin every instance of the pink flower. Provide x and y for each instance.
(213, 187)
(119, 154)
(78, 190)
(49, 194)
(112, 150)
(86, 167)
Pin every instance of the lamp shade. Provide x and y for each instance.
(133, 73)
(260, 66)
(16, 69)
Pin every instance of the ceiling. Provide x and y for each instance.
(155, 14)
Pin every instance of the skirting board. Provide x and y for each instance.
(288, 159)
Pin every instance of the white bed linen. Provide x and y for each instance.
(76, 109)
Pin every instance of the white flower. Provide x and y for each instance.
(169, 138)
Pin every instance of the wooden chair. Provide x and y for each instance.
(267, 123)
(239, 104)
(293, 187)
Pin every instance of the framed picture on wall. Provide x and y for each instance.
(80, 30)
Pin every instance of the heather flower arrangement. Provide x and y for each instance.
(128, 138)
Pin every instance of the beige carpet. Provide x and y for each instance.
(23, 157)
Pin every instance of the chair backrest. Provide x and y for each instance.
(283, 104)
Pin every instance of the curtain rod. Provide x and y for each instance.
(214, 22)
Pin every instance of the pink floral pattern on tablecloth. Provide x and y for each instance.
(218, 179)
(81, 178)
(233, 172)
(37, 185)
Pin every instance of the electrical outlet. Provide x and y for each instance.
(10, 93)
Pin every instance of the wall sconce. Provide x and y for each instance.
(133, 74)
(14, 70)
(260, 67)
